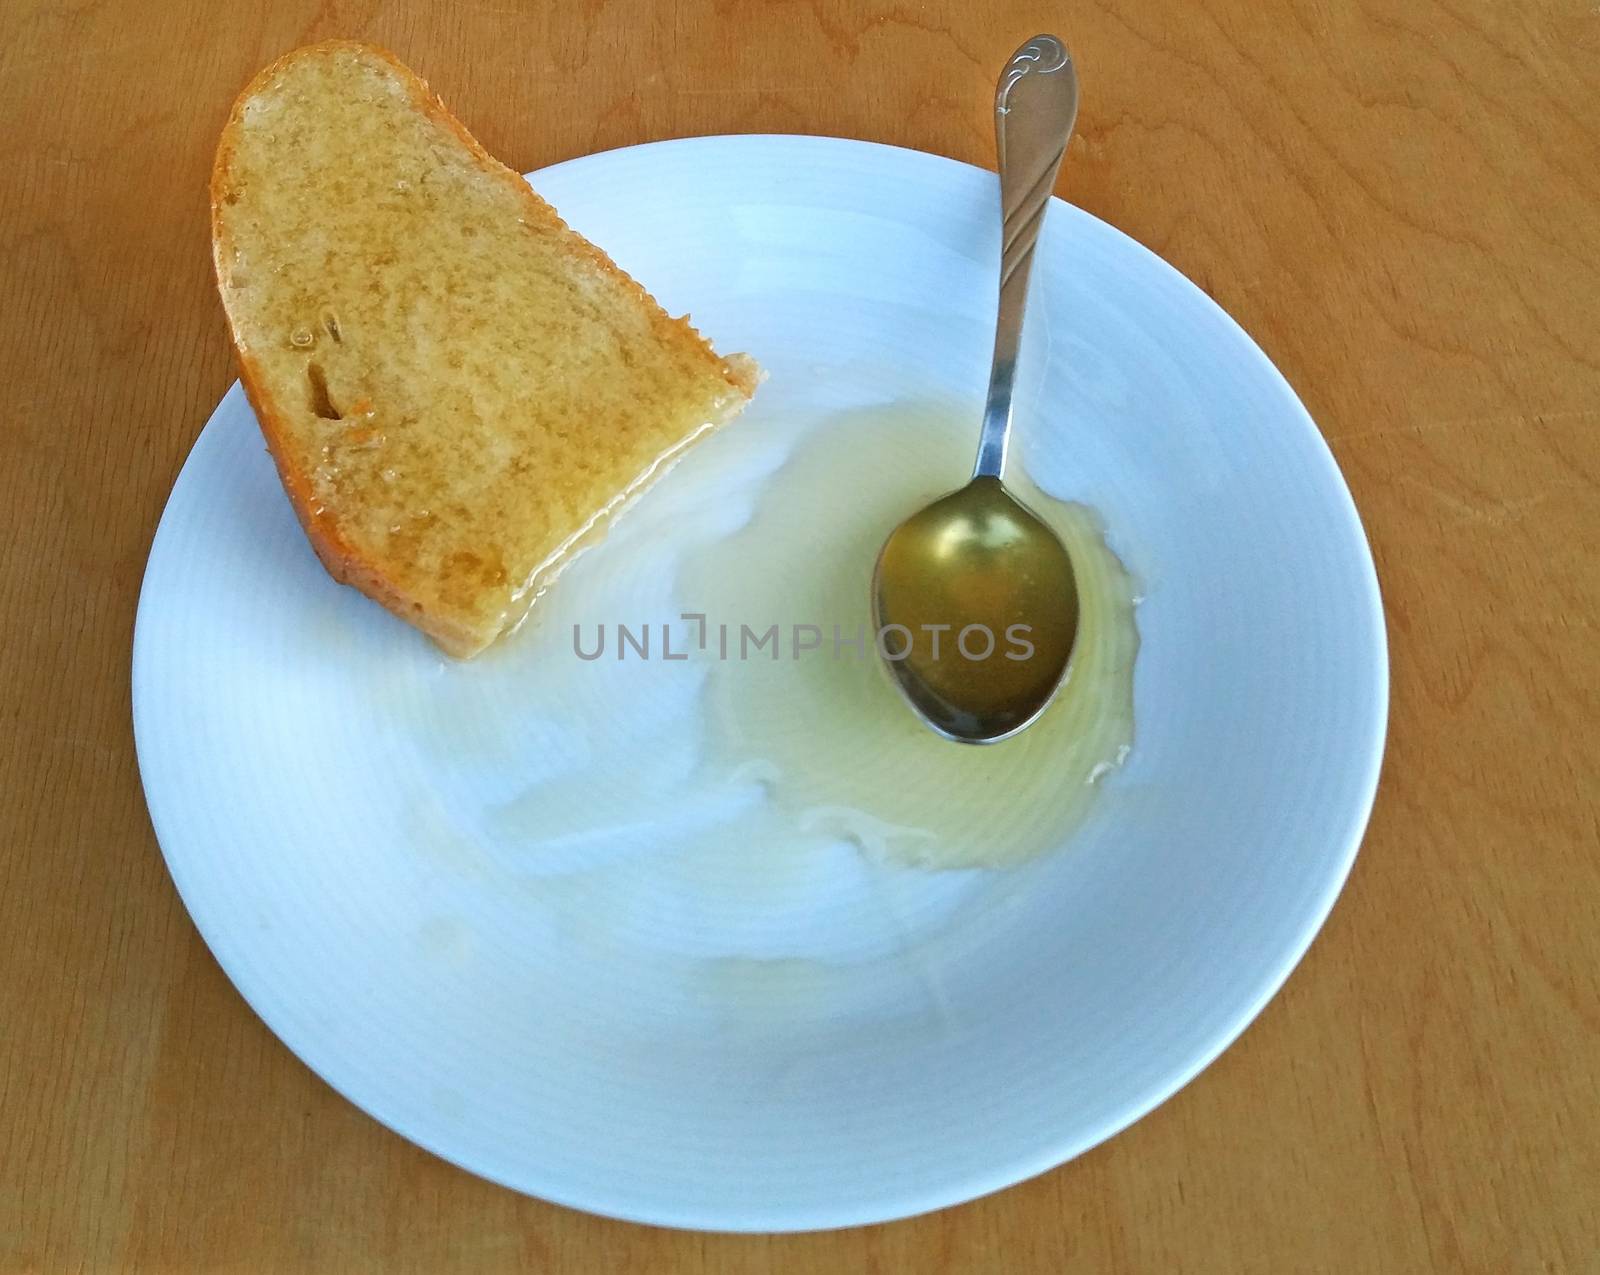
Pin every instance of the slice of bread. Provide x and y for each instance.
(458, 390)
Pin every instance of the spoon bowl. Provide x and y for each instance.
(977, 610)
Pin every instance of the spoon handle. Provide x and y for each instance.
(1035, 107)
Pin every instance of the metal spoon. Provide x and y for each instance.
(974, 597)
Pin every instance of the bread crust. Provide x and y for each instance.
(343, 560)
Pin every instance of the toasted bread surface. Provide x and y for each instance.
(458, 390)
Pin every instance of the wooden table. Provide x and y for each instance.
(1401, 201)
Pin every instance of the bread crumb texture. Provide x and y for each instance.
(453, 383)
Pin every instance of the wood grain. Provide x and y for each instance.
(1400, 200)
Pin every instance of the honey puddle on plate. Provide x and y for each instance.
(751, 802)
(839, 750)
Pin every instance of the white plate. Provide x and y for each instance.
(311, 765)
